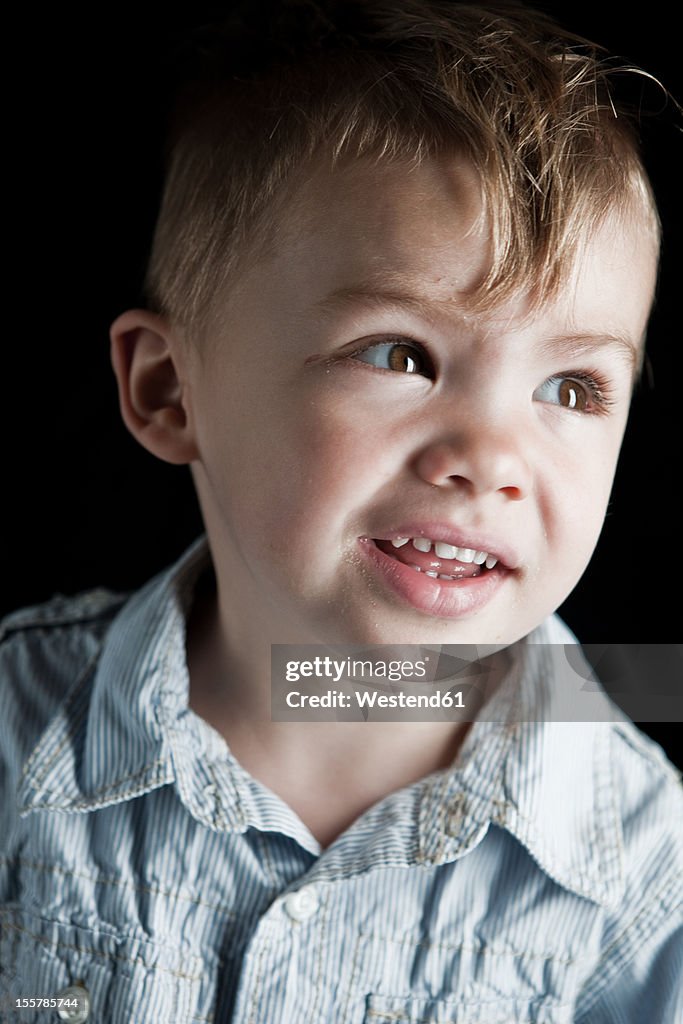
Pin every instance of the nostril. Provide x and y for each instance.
(481, 462)
(513, 493)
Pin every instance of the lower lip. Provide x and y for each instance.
(440, 599)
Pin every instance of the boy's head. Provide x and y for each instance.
(399, 289)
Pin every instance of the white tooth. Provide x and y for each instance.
(398, 542)
(480, 558)
(465, 554)
(430, 572)
(490, 561)
(441, 577)
(444, 550)
(422, 543)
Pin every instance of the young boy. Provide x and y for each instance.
(398, 297)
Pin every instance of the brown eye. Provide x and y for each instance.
(573, 395)
(403, 357)
(570, 393)
(400, 356)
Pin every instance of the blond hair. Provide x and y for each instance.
(529, 104)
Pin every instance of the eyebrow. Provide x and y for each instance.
(575, 345)
(578, 346)
(342, 298)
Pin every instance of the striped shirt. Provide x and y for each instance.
(538, 879)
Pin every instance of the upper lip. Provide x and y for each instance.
(459, 537)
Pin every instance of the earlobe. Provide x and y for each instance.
(153, 395)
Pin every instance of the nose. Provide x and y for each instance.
(481, 459)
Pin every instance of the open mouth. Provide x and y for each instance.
(437, 559)
(436, 577)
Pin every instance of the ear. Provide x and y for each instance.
(153, 391)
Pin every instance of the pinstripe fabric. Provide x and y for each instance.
(538, 880)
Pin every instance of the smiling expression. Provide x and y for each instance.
(353, 402)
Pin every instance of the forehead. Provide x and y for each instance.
(395, 222)
(415, 236)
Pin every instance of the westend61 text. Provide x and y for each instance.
(372, 699)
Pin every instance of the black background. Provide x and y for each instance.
(85, 505)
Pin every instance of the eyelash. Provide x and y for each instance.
(598, 387)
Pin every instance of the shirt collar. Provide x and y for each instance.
(125, 728)
(110, 740)
(527, 767)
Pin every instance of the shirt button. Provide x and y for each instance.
(302, 904)
(456, 815)
(79, 1010)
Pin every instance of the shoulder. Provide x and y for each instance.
(636, 796)
(649, 791)
(45, 650)
(649, 805)
(61, 611)
(640, 974)
(42, 647)
(635, 750)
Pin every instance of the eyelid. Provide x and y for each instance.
(391, 339)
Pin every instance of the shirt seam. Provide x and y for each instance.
(110, 789)
(96, 952)
(626, 948)
(354, 976)
(57, 869)
(257, 974)
(483, 948)
(319, 983)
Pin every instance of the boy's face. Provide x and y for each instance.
(351, 399)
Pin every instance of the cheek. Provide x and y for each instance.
(578, 499)
(290, 472)
(337, 462)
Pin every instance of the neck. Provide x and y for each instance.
(230, 688)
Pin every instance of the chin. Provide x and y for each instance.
(397, 631)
